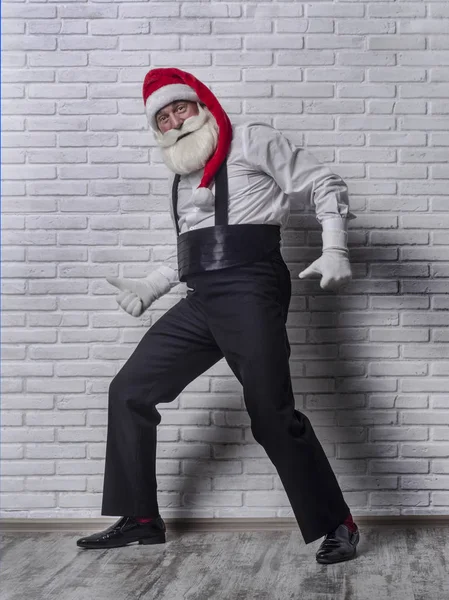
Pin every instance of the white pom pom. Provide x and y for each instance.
(203, 198)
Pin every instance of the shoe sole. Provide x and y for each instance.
(160, 539)
(331, 562)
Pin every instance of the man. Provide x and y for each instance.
(230, 198)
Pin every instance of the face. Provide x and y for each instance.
(173, 115)
(187, 136)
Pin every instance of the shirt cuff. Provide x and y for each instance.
(170, 274)
(336, 223)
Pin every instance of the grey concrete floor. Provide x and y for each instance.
(397, 563)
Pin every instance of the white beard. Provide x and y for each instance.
(192, 152)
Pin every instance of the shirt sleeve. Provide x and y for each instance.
(296, 171)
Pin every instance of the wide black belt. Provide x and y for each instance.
(224, 245)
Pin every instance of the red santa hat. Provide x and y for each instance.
(163, 86)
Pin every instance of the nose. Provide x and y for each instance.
(175, 122)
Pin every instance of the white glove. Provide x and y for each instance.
(333, 265)
(138, 294)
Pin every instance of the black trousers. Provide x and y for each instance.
(237, 313)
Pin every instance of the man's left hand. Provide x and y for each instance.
(334, 268)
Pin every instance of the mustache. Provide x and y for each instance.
(190, 125)
(184, 135)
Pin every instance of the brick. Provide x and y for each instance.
(147, 42)
(48, 123)
(351, 482)
(116, 27)
(399, 467)
(357, 319)
(383, 238)
(406, 368)
(29, 172)
(399, 335)
(354, 384)
(12, 369)
(88, 139)
(57, 156)
(54, 90)
(368, 351)
(367, 450)
(324, 368)
(431, 319)
(399, 498)
(439, 384)
(87, 107)
(401, 302)
(430, 482)
(54, 320)
(58, 59)
(11, 140)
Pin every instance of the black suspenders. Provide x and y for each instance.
(221, 197)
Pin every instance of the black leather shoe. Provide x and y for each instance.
(338, 545)
(126, 531)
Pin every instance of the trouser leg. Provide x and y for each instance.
(171, 354)
(247, 310)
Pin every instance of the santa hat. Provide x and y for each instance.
(163, 86)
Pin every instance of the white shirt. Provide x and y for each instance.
(267, 176)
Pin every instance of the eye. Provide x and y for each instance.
(181, 107)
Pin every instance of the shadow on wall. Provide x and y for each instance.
(351, 353)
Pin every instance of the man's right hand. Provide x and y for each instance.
(138, 294)
(130, 303)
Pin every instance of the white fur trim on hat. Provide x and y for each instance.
(166, 95)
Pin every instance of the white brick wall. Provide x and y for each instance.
(364, 86)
